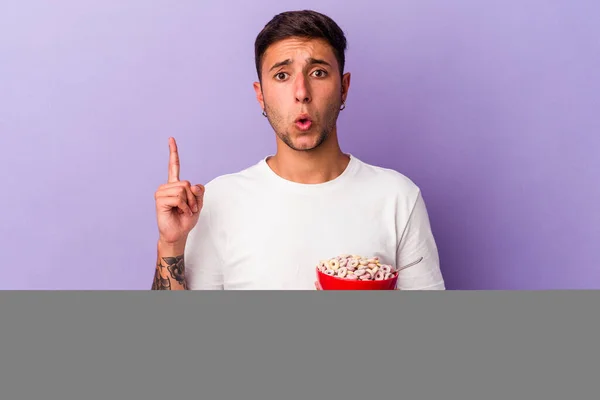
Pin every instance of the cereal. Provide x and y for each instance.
(355, 267)
(334, 264)
(359, 272)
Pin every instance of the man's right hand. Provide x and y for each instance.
(178, 204)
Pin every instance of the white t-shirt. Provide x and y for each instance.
(260, 231)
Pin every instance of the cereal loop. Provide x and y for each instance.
(334, 264)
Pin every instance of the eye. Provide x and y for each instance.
(320, 73)
(280, 76)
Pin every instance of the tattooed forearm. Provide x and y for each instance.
(160, 283)
(176, 268)
(171, 269)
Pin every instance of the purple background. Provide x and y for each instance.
(491, 107)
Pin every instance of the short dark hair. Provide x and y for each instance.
(305, 24)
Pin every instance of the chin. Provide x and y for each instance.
(303, 141)
(305, 145)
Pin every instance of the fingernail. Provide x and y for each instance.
(196, 208)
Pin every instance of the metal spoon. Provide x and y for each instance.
(410, 265)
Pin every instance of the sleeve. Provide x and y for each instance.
(203, 262)
(417, 243)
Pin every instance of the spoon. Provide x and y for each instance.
(410, 265)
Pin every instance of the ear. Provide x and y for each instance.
(259, 95)
(345, 85)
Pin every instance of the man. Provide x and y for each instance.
(268, 226)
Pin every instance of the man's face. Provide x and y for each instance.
(301, 91)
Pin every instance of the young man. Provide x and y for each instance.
(268, 226)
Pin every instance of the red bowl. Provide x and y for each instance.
(329, 282)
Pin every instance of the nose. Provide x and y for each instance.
(302, 90)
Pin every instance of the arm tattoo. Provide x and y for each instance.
(160, 283)
(176, 268)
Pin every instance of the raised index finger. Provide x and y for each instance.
(173, 161)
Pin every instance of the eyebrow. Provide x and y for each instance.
(281, 64)
(311, 61)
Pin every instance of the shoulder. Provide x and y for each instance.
(233, 184)
(225, 181)
(224, 191)
(388, 181)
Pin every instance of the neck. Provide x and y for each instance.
(319, 165)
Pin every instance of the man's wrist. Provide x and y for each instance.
(166, 249)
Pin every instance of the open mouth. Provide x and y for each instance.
(303, 122)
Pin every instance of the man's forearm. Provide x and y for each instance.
(170, 268)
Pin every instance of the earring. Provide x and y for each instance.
(264, 113)
(343, 106)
